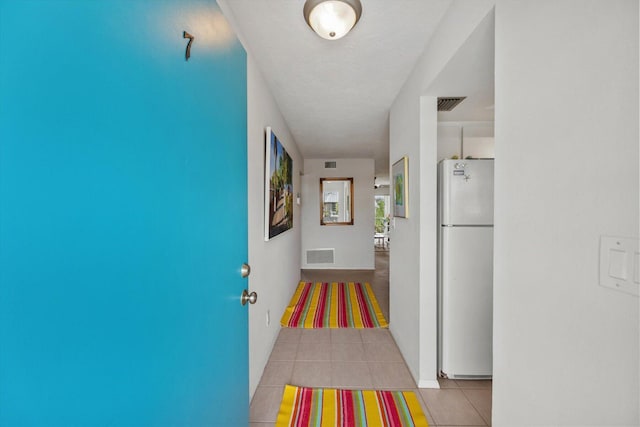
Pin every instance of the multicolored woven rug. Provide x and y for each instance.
(333, 305)
(303, 407)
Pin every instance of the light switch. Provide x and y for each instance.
(619, 264)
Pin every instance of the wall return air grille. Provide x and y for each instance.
(320, 256)
(449, 103)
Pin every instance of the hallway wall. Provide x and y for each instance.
(353, 243)
(413, 132)
(565, 348)
(275, 265)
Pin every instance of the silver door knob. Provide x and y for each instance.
(245, 270)
(251, 298)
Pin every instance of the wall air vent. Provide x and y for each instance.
(449, 103)
(330, 165)
(320, 256)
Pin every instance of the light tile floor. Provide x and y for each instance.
(361, 359)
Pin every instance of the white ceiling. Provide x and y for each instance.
(336, 95)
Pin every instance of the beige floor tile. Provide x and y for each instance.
(377, 335)
(265, 404)
(445, 383)
(289, 335)
(311, 374)
(451, 407)
(382, 352)
(315, 335)
(483, 384)
(481, 400)
(342, 335)
(391, 376)
(284, 351)
(351, 375)
(334, 362)
(314, 351)
(425, 410)
(277, 373)
(352, 351)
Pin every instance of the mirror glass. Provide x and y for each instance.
(336, 201)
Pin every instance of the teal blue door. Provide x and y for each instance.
(123, 222)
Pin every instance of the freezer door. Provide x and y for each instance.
(466, 301)
(466, 192)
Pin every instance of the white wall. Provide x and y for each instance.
(428, 309)
(404, 256)
(463, 139)
(353, 243)
(413, 133)
(565, 349)
(275, 265)
(449, 141)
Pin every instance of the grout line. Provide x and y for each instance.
(373, 385)
(425, 408)
(474, 406)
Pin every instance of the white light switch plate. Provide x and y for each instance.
(619, 259)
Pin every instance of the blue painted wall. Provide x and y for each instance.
(122, 184)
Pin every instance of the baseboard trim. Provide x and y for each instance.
(428, 384)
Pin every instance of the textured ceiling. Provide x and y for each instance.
(336, 95)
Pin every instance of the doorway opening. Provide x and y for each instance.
(382, 212)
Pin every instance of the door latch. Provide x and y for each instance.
(251, 298)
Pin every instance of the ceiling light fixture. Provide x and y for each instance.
(332, 19)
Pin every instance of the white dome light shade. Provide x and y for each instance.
(332, 19)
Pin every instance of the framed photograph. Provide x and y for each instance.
(400, 182)
(278, 187)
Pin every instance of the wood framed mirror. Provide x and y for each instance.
(336, 201)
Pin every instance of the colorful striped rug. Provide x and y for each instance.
(333, 305)
(303, 407)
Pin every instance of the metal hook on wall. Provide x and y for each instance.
(190, 37)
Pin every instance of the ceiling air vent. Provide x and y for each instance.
(449, 103)
(329, 165)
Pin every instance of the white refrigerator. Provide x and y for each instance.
(465, 291)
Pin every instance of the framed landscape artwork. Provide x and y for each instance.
(399, 180)
(278, 187)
